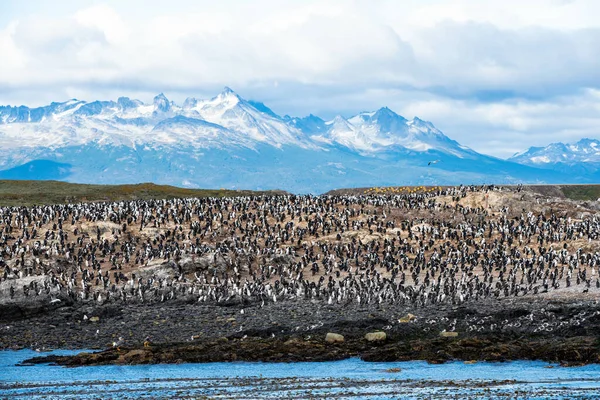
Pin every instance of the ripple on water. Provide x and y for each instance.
(351, 378)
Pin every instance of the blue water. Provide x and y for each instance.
(342, 379)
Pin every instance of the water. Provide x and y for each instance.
(349, 379)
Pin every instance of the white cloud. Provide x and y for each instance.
(481, 70)
(503, 129)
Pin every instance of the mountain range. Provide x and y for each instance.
(230, 142)
(578, 159)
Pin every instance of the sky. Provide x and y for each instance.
(496, 75)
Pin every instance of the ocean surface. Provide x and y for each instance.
(348, 379)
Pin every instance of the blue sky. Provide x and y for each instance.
(498, 76)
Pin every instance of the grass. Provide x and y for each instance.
(581, 192)
(27, 193)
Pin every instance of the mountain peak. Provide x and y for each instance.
(309, 125)
(190, 102)
(418, 122)
(227, 98)
(228, 92)
(585, 150)
(126, 102)
(340, 123)
(162, 103)
(385, 112)
(339, 120)
(587, 141)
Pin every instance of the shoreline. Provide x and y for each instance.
(574, 351)
(558, 330)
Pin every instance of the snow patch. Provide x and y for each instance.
(540, 159)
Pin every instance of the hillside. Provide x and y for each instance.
(26, 193)
(572, 192)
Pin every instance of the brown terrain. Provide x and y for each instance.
(434, 273)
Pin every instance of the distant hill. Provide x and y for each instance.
(25, 193)
(38, 169)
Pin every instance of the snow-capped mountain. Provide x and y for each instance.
(584, 151)
(580, 161)
(227, 141)
(234, 113)
(223, 120)
(371, 132)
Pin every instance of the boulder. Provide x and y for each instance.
(448, 334)
(134, 356)
(158, 269)
(407, 318)
(210, 261)
(375, 336)
(19, 295)
(334, 338)
(19, 305)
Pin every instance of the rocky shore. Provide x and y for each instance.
(509, 329)
(569, 352)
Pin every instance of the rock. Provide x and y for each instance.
(282, 259)
(95, 319)
(448, 334)
(134, 356)
(158, 269)
(334, 338)
(292, 342)
(210, 261)
(407, 318)
(375, 336)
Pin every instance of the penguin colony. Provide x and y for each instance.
(414, 248)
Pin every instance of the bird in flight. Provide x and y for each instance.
(433, 162)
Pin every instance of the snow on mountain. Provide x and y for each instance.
(371, 132)
(161, 104)
(197, 133)
(227, 141)
(130, 122)
(310, 125)
(236, 114)
(226, 119)
(21, 114)
(584, 151)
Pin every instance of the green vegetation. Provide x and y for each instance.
(27, 193)
(581, 192)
